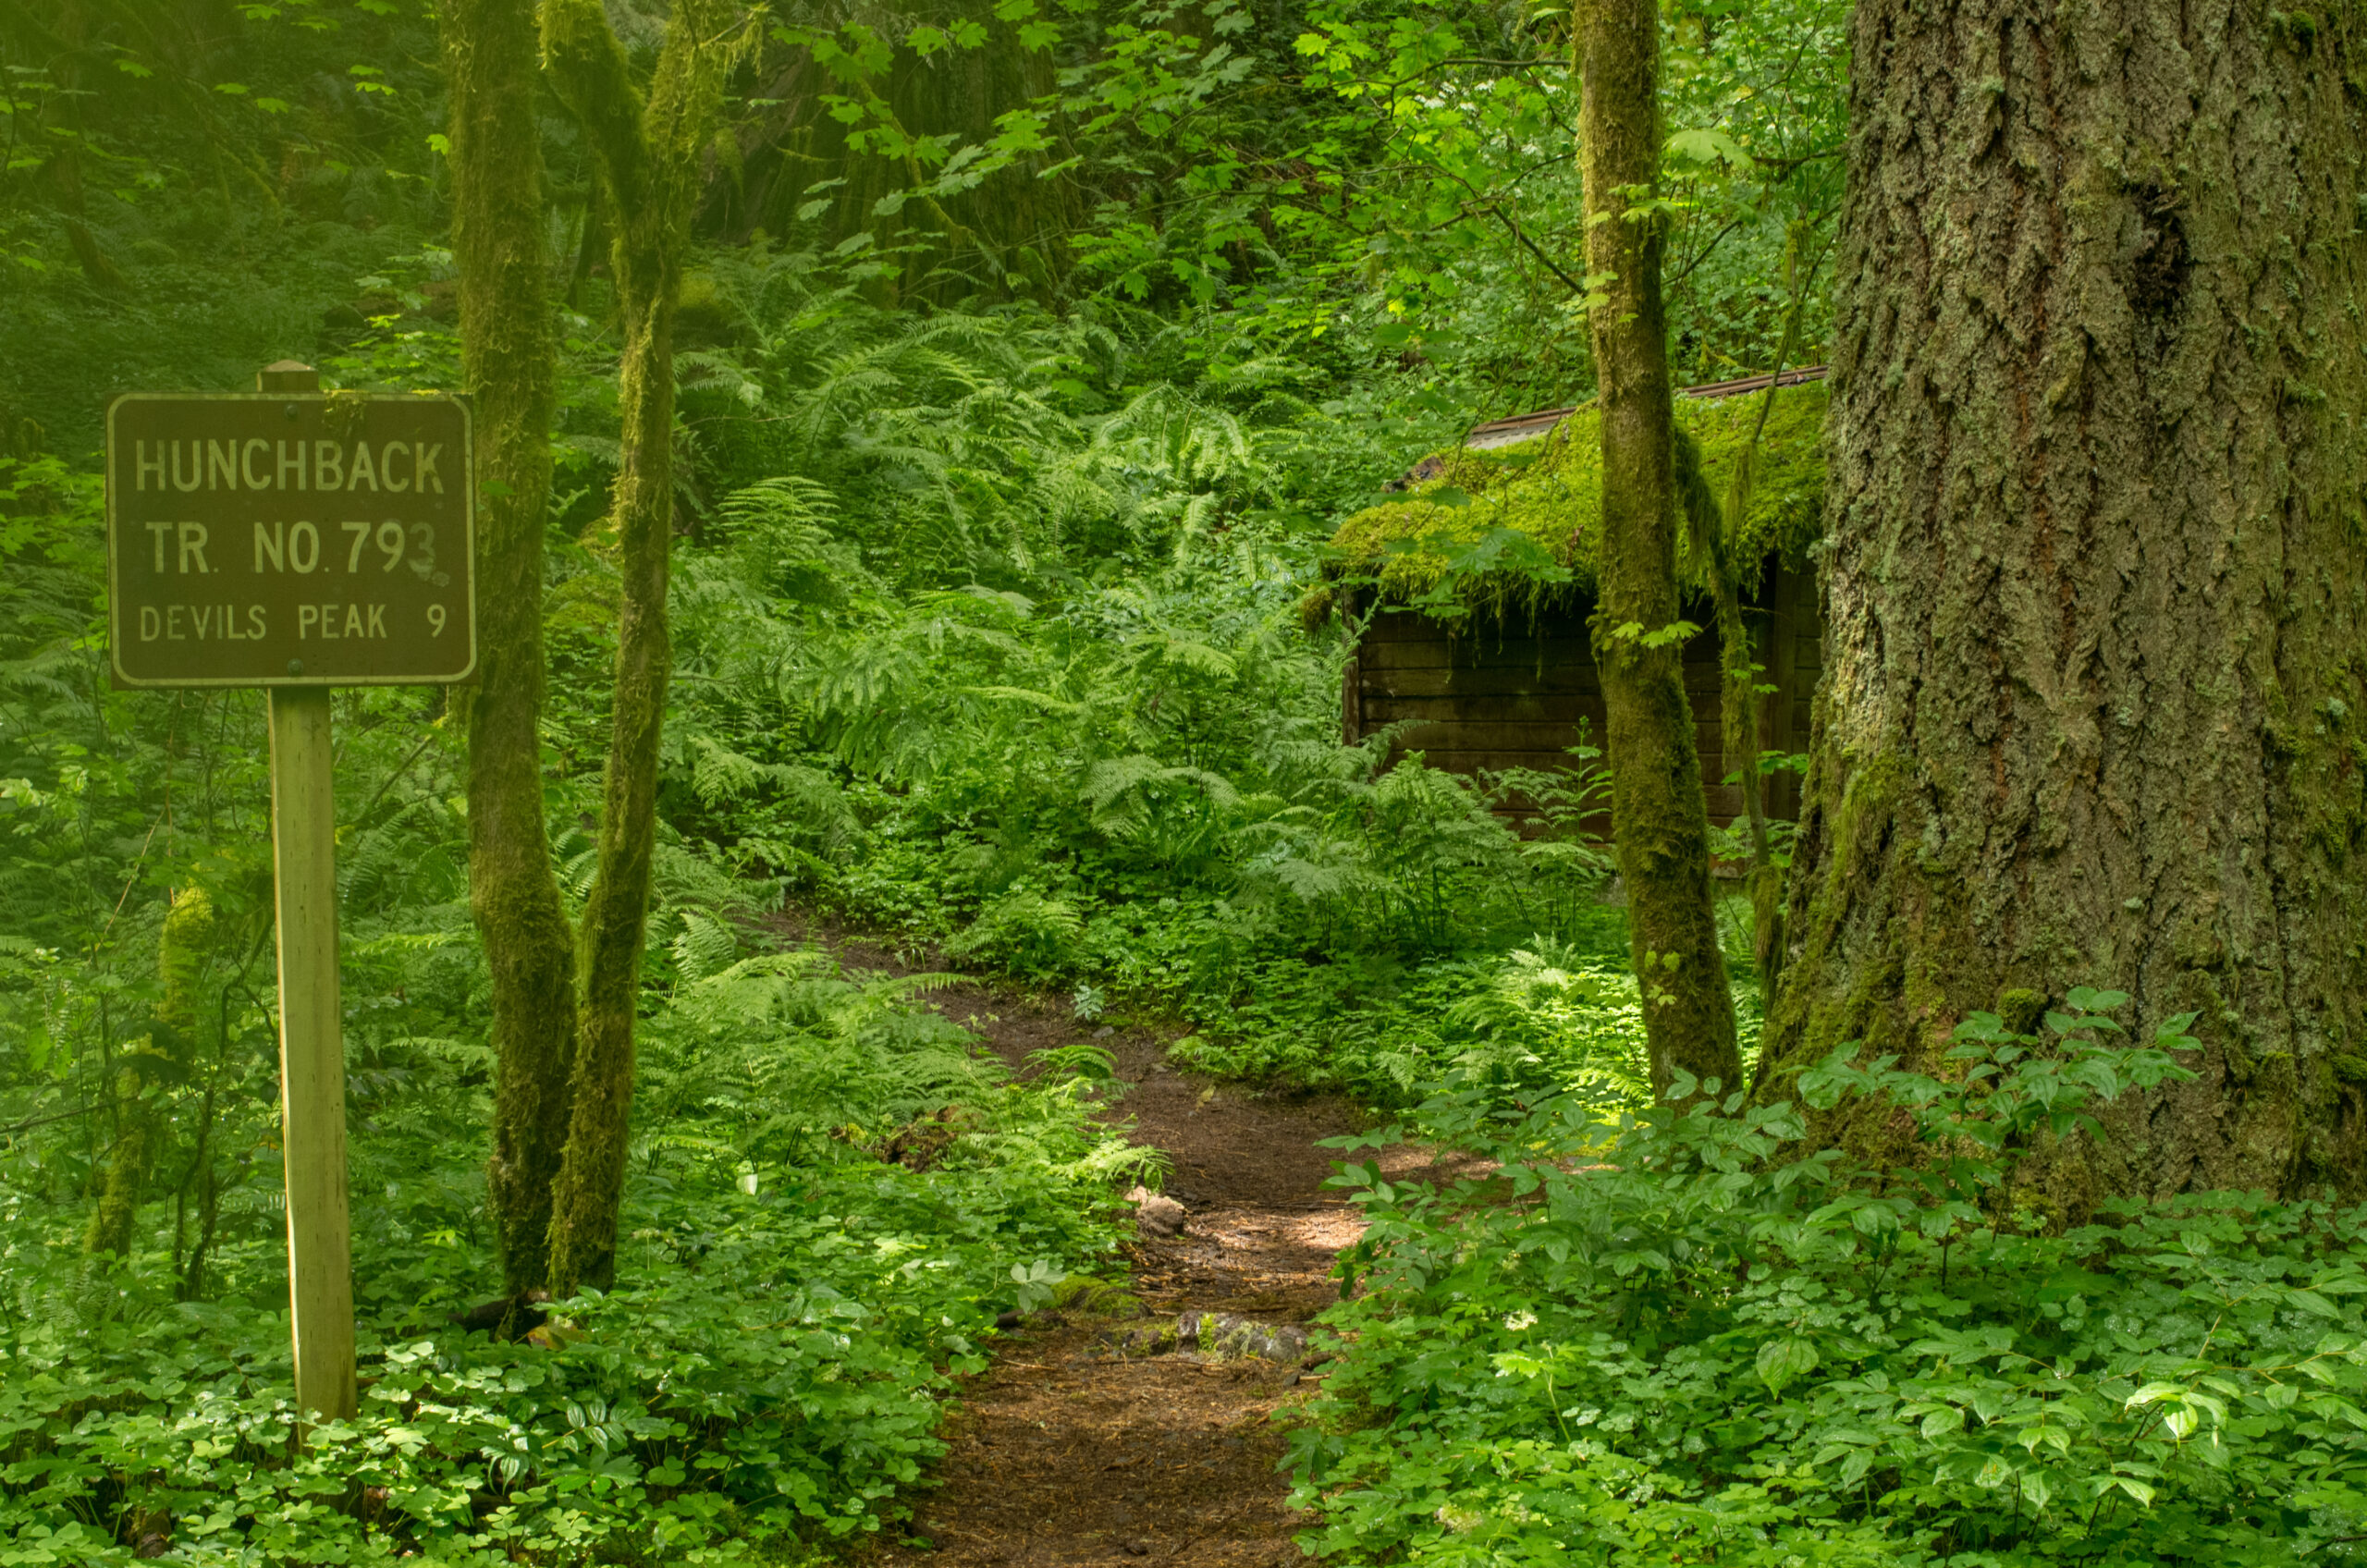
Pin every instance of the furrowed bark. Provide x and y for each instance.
(1659, 818)
(2097, 644)
(507, 357)
(647, 159)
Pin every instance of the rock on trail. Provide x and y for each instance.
(1156, 1214)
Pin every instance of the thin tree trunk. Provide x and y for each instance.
(1739, 704)
(66, 157)
(616, 918)
(2094, 694)
(183, 949)
(647, 159)
(113, 1221)
(490, 48)
(1659, 818)
(1741, 701)
(591, 242)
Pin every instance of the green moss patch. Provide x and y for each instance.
(1549, 489)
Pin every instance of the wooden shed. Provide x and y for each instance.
(1502, 677)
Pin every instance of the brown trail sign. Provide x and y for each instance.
(296, 541)
(272, 538)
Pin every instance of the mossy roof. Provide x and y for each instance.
(1550, 488)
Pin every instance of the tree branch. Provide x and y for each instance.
(1552, 266)
(588, 67)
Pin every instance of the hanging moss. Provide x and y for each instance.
(1550, 487)
(183, 949)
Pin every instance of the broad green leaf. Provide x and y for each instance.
(1785, 1361)
(1943, 1422)
(1708, 146)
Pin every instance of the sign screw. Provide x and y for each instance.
(287, 375)
(295, 666)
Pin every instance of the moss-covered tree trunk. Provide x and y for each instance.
(2096, 685)
(648, 155)
(183, 949)
(1659, 818)
(113, 1219)
(490, 49)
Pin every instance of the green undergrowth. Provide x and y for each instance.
(1544, 1016)
(1367, 1013)
(795, 1304)
(1681, 1336)
(984, 619)
(1377, 1022)
(1029, 687)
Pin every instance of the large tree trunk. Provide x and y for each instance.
(2094, 697)
(1659, 818)
(648, 162)
(507, 357)
(1008, 234)
(1011, 231)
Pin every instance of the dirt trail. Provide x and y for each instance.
(1063, 1454)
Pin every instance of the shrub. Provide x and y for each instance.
(1549, 1019)
(766, 1377)
(1676, 1337)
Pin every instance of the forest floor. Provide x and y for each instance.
(1068, 1452)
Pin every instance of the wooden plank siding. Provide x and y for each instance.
(1487, 695)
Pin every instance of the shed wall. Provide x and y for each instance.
(1492, 695)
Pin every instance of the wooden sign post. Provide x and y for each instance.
(311, 1049)
(296, 541)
